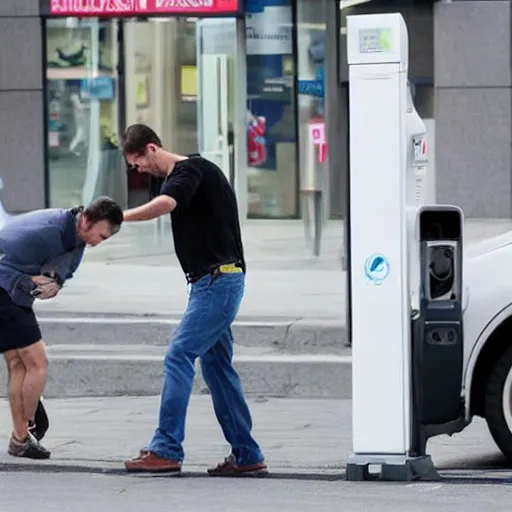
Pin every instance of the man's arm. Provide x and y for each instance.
(157, 207)
(55, 270)
(61, 268)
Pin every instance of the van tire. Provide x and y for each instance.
(494, 415)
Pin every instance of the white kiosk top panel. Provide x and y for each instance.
(377, 39)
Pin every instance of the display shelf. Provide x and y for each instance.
(74, 73)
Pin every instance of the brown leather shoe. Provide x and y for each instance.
(148, 462)
(230, 468)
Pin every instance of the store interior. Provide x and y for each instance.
(85, 101)
(179, 76)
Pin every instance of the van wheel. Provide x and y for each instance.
(498, 403)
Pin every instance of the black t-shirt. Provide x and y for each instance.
(205, 223)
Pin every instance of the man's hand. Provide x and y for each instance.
(47, 288)
(42, 280)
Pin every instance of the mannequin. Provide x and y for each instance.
(81, 120)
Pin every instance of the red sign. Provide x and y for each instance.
(115, 8)
(317, 130)
(317, 133)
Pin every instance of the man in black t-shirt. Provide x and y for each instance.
(208, 244)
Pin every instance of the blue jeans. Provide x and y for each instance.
(205, 332)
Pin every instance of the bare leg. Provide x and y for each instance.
(28, 368)
(16, 373)
(36, 366)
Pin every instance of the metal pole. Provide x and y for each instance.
(240, 121)
(335, 138)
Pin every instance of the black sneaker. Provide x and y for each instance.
(39, 427)
(30, 448)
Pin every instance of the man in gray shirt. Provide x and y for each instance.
(39, 251)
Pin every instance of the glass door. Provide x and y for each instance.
(216, 43)
(175, 74)
(179, 77)
(151, 59)
(82, 108)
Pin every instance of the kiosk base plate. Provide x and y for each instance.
(396, 468)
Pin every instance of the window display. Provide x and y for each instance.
(311, 92)
(161, 87)
(179, 75)
(165, 86)
(82, 109)
(271, 123)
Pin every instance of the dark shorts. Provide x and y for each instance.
(18, 325)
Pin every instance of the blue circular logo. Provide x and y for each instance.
(376, 268)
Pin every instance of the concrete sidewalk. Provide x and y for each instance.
(297, 436)
(136, 273)
(108, 329)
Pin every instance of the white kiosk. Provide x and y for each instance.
(404, 324)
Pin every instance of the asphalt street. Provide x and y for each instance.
(83, 492)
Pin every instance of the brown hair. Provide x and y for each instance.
(105, 208)
(137, 137)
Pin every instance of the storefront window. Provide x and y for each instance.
(161, 88)
(178, 76)
(82, 110)
(311, 65)
(271, 120)
(180, 80)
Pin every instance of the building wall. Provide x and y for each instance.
(21, 106)
(465, 46)
(473, 106)
(419, 21)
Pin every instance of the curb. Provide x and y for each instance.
(292, 336)
(95, 375)
(118, 355)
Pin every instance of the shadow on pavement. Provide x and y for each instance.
(490, 462)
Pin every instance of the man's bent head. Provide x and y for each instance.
(143, 151)
(99, 221)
